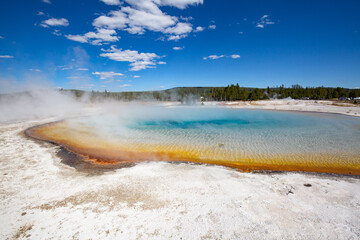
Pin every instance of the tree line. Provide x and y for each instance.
(229, 93)
(235, 93)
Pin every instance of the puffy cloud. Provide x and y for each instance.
(135, 21)
(111, 2)
(141, 65)
(264, 20)
(178, 48)
(107, 75)
(127, 55)
(180, 29)
(234, 56)
(139, 61)
(77, 38)
(95, 38)
(142, 15)
(148, 20)
(115, 20)
(51, 22)
(145, 5)
(6, 56)
(136, 76)
(161, 62)
(212, 27)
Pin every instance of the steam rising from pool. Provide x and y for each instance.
(244, 139)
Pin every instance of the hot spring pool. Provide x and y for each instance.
(244, 139)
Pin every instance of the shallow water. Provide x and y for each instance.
(241, 138)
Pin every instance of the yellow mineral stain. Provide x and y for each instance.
(98, 150)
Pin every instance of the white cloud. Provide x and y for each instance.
(115, 20)
(186, 18)
(161, 62)
(1, 37)
(241, 33)
(102, 35)
(111, 2)
(212, 27)
(199, 29)
(136, 76)
(57, 32)
(141, 65)
(264, 20)
(150, 6)
(135, 21)
(213, 57)
(51, 22)
(95, 38)
(63, 68)
(176, 37)
(6, 56)
(179, 29)
(139, 61)
(47, 1)
(77, 38)
(182, 4)
(107, 75)
(39, 13)
(145, 15)
(127, 55)
(178, 48)
(141, 20)
(82, 69)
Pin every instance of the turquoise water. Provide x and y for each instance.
(256, 131)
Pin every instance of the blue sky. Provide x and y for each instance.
(125, 45)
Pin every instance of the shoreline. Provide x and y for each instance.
(316, 106)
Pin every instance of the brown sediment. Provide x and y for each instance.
(83, 149)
